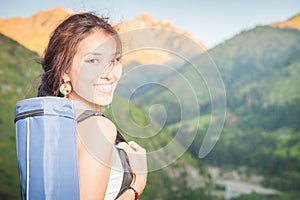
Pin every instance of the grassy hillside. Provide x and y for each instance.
(263, 60)
(261, 69)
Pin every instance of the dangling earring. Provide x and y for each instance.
(108, 106)
(66, 89)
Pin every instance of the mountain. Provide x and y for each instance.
(248, 63)
(33, 32)
(293, 22)
(260, 69)
(253, 59)
(19, 77)
(40, 26)
(147, 41)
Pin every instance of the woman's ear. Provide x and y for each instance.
(66, 77)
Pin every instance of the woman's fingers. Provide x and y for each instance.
(136, 147)
(126, 147)
(136, 155)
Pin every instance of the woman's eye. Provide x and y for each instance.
(92, 61)
(116, 60)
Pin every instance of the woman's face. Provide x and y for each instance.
(96, 69)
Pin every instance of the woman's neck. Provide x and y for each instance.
(87, 105)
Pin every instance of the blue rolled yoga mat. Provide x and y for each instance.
(47, 148)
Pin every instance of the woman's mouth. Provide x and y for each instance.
(105, 88)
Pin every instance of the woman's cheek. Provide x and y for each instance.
(119, 70)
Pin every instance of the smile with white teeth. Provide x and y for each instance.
(104, 88)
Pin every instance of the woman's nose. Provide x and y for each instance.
(107, 73)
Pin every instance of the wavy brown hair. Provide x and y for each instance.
(62, 48)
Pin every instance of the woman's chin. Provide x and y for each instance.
(103, 101)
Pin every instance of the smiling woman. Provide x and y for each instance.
(83, 63)
(96, 69)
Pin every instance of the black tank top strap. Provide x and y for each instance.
(127, 175)
(88, 113)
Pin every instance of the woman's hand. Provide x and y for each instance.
(138, 162)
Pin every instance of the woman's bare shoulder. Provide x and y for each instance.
(98, 126)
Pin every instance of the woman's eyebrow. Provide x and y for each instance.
(91, 54)
(95, 53)
(100, 54)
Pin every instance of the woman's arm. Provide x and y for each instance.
(96, 136)
(138, 162)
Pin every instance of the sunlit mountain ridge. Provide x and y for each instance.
(293, 23)
(34, 32)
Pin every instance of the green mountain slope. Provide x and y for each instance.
(260, 69)
(264, 57)
(260, 62)
(17, 70)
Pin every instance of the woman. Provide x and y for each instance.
(83, 63)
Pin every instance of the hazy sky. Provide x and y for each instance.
(210, 21)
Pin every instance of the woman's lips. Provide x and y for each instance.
(104, 88)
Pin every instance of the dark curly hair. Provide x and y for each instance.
(62, 48)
